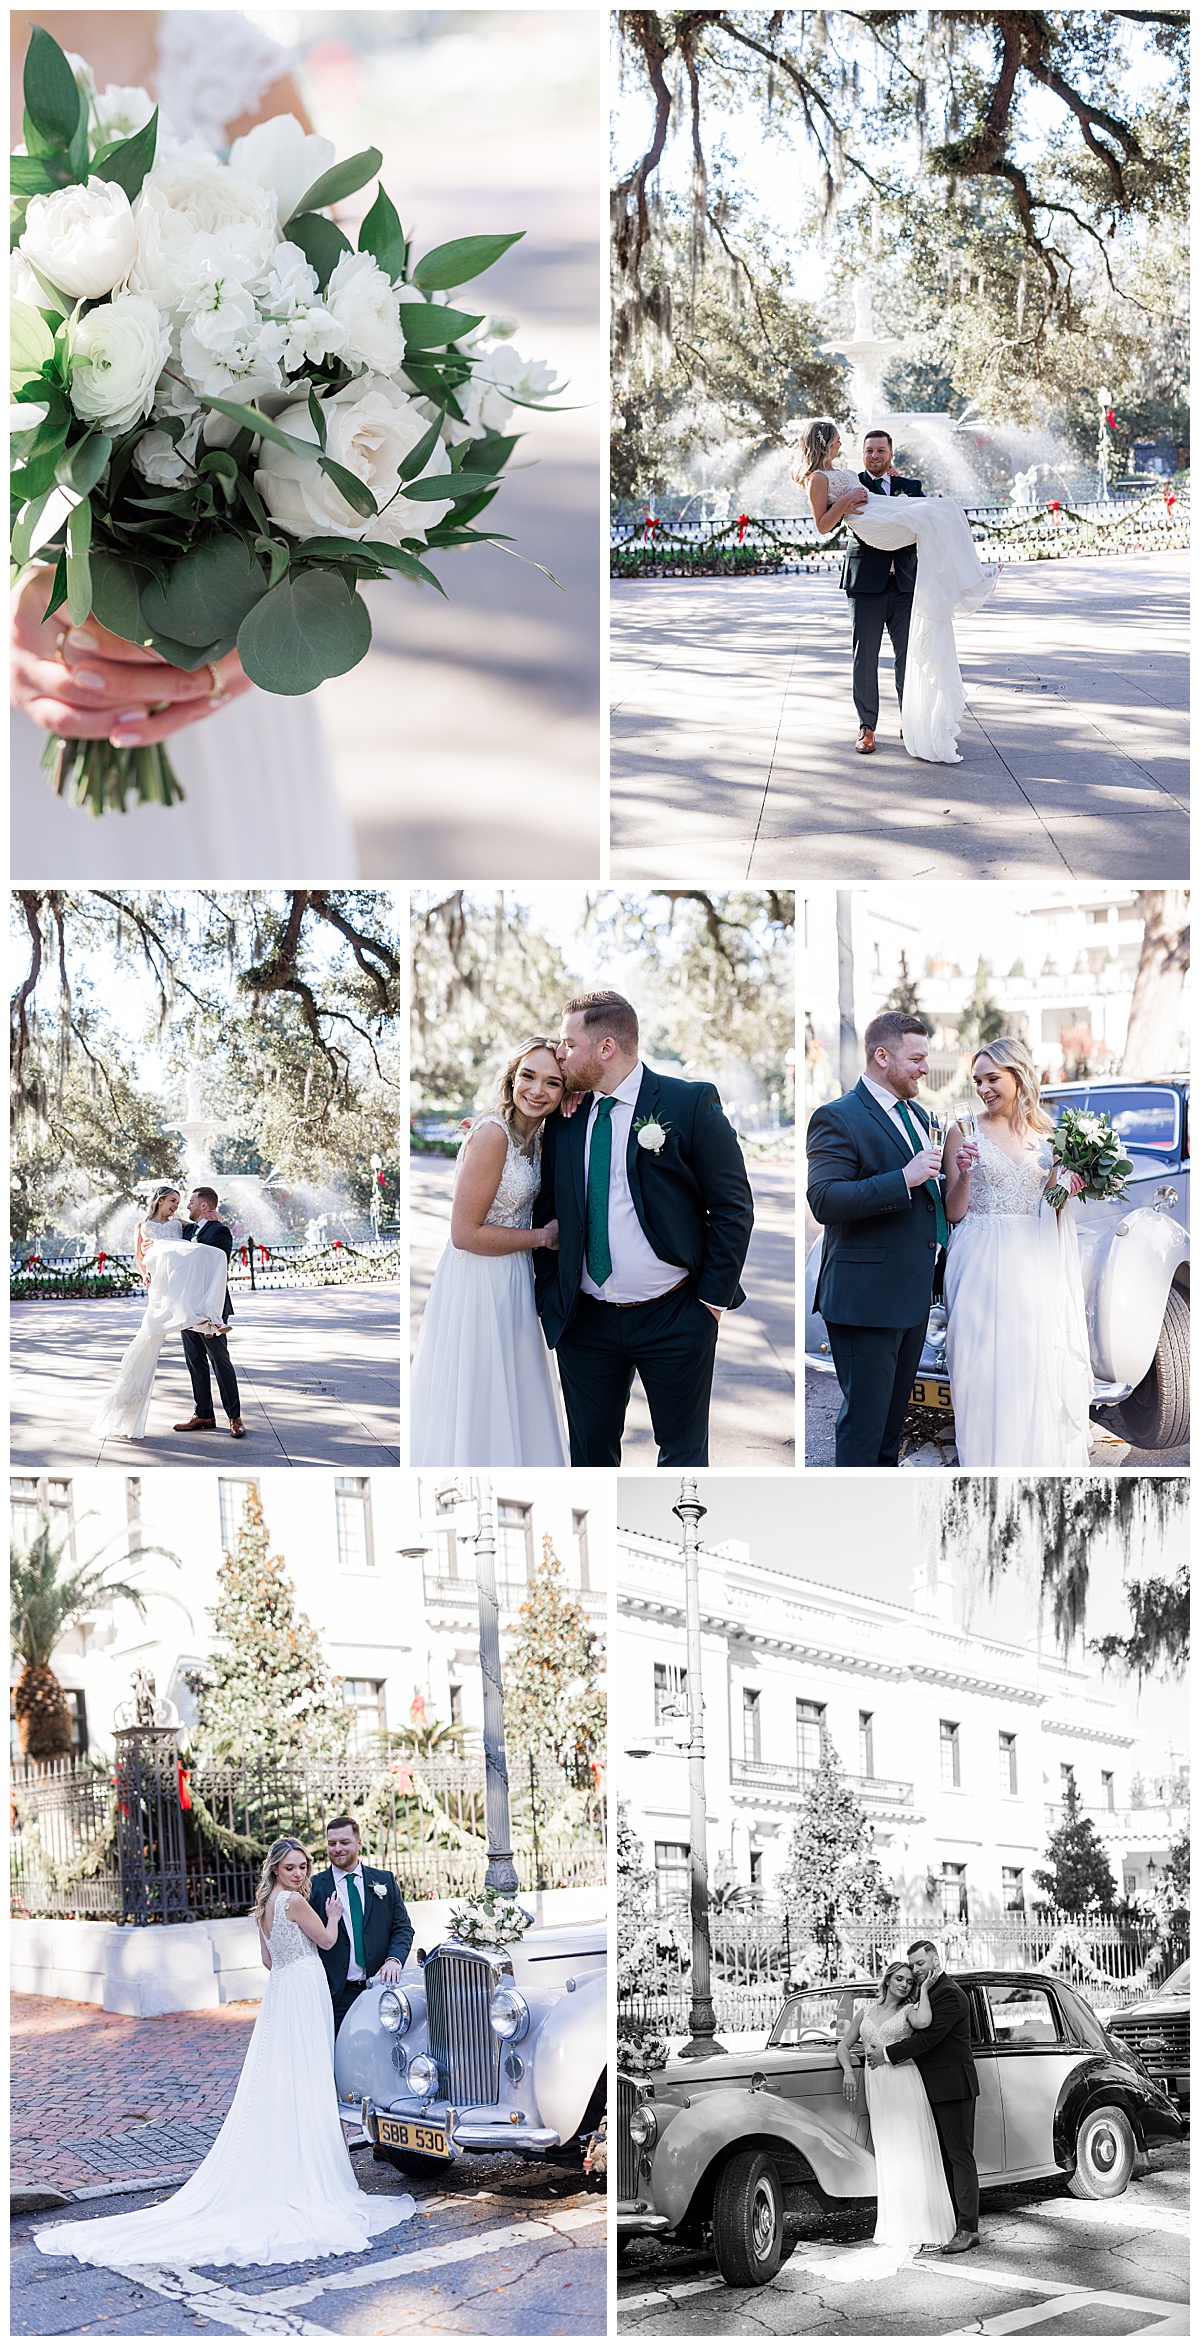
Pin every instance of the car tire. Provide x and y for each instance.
(747, 2220)
(1105, 2155)
(410, 2162)
(1157, 1415)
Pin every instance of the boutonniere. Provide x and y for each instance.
(650, 1133)
(380, 1889)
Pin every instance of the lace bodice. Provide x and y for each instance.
(287, 1942)
(883, 2032)
(841, 482)
(1000, 1187)
(520, 1181)
(214, 66)
(153, 1231)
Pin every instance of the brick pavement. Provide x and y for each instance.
(96, 2095)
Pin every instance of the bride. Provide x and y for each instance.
(914, 2207)
(950, 577)
(186, 1288)
(484, 1389)
(277, 2184)
(1016, 1338)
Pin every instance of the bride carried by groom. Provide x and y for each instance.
(185, 1270)
(612, 1204)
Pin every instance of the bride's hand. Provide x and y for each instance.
(88, 685)
(569, 1104)
(850, 2090)
(967, 1157)
(333, 1908)
(548, 1235)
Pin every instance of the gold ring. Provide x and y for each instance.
(59, 641)
(157, 708)
(218, 693)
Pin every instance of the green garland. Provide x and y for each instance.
(66, 1874)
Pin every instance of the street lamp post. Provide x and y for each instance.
(501, 1872)
(702, 2019)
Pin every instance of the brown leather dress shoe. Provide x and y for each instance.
(866, 740)
(198, 1425)
(237, 1429)
(960, 2243)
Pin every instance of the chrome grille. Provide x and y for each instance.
(458, 1991)
(627, 2157)
(1163, 2044)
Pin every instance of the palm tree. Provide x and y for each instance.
(43, 1607)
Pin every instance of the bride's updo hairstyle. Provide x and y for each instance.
(271, 1864)
(169, 1189)
(811, 452)
(889, 1975)
(505, 1103)
(1010, 1052)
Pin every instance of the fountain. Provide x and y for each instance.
(199, 1132)
(868, 354)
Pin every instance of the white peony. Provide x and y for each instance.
(82, 239)
(190, 209)
(283, 157)
(117, 113)
(371, 427)
(362, 299)
(486, 400)
(23, 285)
(117, 353)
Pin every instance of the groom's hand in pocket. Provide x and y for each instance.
(715, 1308)
(925, 1166)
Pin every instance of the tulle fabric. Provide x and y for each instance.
(950, 578)
(187, 1290)
(484, 1387)
(1017, 1343)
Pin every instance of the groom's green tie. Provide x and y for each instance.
(356, 1921)
(920, 1140)
(599, 1260)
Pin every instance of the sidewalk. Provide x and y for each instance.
(318, 1370)
(733, 734)
(96, 2098)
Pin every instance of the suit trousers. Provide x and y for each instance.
(347, 1995)
(671, 1345)
(872, 613)
(875, 1369)
(955, 2122)
(198, 1351)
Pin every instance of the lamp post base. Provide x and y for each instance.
(699, 2048)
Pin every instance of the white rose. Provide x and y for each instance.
(188, 197)
(117, 113)
(82, 239)
(117, 354)
(370, 427)
(281, 156)
(361, 298)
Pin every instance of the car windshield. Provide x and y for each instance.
(1145, 1118)
(820, 2016)
(1178, 1984)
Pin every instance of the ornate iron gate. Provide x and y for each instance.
(150, 1847)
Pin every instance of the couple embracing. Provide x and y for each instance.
(921, 2089)
(602, 1214)
(184, 1268)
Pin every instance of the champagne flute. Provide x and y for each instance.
(968, 1123)
(937, 1128)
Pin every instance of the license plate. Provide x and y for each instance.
(932, 1393)
(410, 2135)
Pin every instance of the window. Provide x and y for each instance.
(951, 1764)
(810, 1735)
(751, 1724)
(133, 1504)
(355, 1537)
(1108, 1798)
(76, 1701)
(579, 1530)
(1008, 1763)
(456, 1709)
(1014, 1889)
(364, 1696)
(1021, 2015)
(1066, 1780)
(954, 1894)
(514, 1525)
(232, 1494)
(37, 1498)
(670, 1692)
(866, 1743)
(671, 1882)
(756, 1873)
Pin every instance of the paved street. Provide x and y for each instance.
(1049, 2266)
(318, 1370)
(822, 1400)
(733, 734)
(754, 1403)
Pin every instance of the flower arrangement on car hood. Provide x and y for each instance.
(1085, 1144)
(227, 417)
(493, 1920)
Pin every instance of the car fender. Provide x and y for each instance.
(718, 2122)
(1129, 1262)
(1099, 2079)
(570, 2053)
(362, 2055)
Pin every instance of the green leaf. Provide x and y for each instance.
(312, 625)
(441, 486)
(395, 558)
(348, 485)
(79, 572)
(342, 179)
(317, 413)
(29, 176)
(77, 152)
(278, 557)
(418, 457)
(82, 466)
(262, 427)
(456, 263)
(220, 462)
(207, 594)
(25, 530)
(321, 243)
(115, 600)
(58, 589)
(52, 96)
(427, 326)
(127, 164)
(368, 551)
(30, 346)
(382, 236)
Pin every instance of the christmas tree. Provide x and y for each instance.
(552, 1696)
(267, 1690)
(904, 994)
(831, 1876)
(1078, 1875)
(653, 1957)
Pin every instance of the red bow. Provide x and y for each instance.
(101, 1259)
(1110, 419)
(243, 1256)
(265, 1256)
(185, 1798)
(337, 1242)
(652, 523)
(743, 518)
(1171, 500)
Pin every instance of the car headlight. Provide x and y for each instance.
(395, 2011)
(423, 2076)
(509, 2015)
(643, 2126)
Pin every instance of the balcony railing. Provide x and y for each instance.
(461, 1589)
(768, 1776)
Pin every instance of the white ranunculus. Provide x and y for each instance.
(117, 113)
(193, 209)
(117, 353)
(651, 1136)
(371, 427)
(82, 239)
(283, 157)
(361, 297)
(486, 400)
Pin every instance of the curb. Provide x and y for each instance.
(44, 2198)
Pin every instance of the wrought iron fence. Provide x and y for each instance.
(39, 1279)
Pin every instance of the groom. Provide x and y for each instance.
(654, 1212)
(375, 1932)
(874, 1184)
(943, 2054)
(881, 588)
(204, 1229)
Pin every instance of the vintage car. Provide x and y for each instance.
(723, 2147)
(472, 2051)
(1136, 1259)
(1159, 2031)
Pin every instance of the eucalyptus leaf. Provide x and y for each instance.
(456, 263)
(83, 465)
(25, 530)
(207, 594)
(382, 236)
(127, 164)
(52, 96)
(115, 599)
(312, 625)
(427, 325)
(320, 241)
(79, 572)
(30, 344)
(342, 179)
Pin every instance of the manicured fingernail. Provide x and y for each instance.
(126, 736)
(130, 717)
(88, 680)
(81, 640)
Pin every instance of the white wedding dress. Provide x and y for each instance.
(484, 1388)
(914, 2208)
(260, 803)
(1016, 1333)
(950, 578)
(277, 2186)
(188, 1284)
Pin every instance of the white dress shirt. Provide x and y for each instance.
(354, 1969)
(891, 1107)
(637, 1274)
(884, 482)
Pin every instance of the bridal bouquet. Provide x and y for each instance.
(227, 416)
(1085, 1144)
